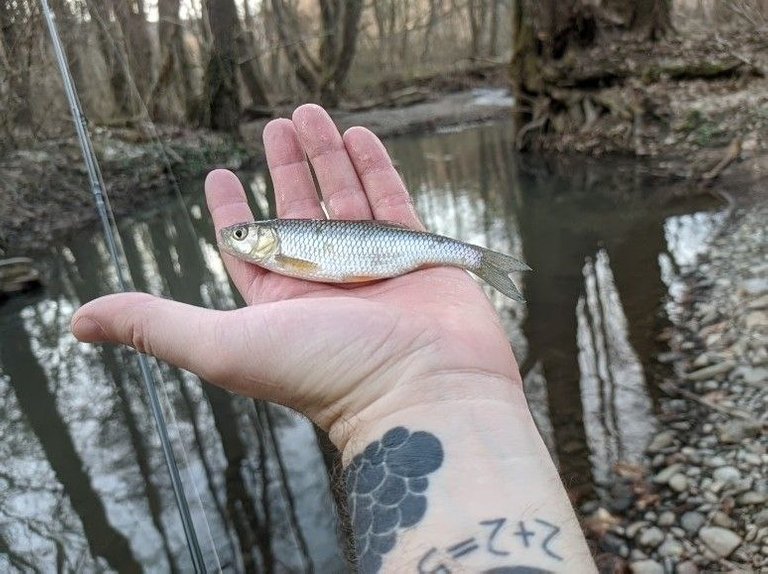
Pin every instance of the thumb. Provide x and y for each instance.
(198, 340)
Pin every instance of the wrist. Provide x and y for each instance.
(463, 482)
(470, 402)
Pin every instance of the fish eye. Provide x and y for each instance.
(240, 233)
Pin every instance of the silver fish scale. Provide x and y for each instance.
(359, 249)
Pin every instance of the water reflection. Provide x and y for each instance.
(85, 487)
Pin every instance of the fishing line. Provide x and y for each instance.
(106, 218)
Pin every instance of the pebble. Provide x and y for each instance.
(687, 567)
(752, 497)
(678, 483)
(726, 475)
(720, 540)
(665, 475)
(671, 548)
(711, 371)
(661, 441)
(651, 537)
(720, 518)
(755, 375)
(646, 567)
(735, 431)
(761, 518)
(691, 521)
(634, 528)
(666, 518)
(755, 286)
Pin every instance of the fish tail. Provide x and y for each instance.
(495, 268)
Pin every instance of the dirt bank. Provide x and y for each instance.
(46, 190)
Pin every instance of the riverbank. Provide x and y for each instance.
(698, 503)
(46, 188)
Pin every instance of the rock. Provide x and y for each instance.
(692, 521)
(663, 476)
(679, 483)
(687, 567)
(761, 518)
(755, 286)
(735, 431)
(651, 537)
(661, 441)
(672, 548)
(720, 540)
(756, 320)
(752, 497)
(716, 460)
(720, 518)
(755, 375)
(17, 274)
(726, 474)
(711, 371)
(759, 303)
(634, 528)
(667, 518)
(646, 567)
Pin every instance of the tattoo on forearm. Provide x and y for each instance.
(494, 538)
(386, 486)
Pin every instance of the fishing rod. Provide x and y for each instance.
(106, 218)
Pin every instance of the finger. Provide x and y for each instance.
(295, 192)
(206, 342)
(387, 195)
(228, 205)
(339, 185)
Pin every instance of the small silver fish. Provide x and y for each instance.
(336, 251)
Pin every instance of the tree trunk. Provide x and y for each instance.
(652, 19)
(649, 19)
(325, 75)
(222, 109)
(138, 48)
(115, 59)
(172, 95)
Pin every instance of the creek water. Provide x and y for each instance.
(83, 485)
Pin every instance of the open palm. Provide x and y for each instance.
(339, 354)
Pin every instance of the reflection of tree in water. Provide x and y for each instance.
(250, 512)
(29, 383)
(86, 281)
(474, 186)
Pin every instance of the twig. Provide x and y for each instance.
(672, 389)
(731, 153)
(530, 126)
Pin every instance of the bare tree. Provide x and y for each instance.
(222, 101)
(174, 76)
(649, 19)
(135, 38)
(323, 76)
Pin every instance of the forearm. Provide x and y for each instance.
(482, 493)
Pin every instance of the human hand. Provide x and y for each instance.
(345, 356)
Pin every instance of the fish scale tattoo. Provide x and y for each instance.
(386, 486)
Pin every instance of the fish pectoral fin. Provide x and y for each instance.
(296, 265)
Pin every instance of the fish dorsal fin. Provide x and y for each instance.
(393, 224)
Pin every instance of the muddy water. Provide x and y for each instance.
(83, 486)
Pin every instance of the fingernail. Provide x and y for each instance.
(87, 330)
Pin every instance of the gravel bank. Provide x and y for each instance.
(700, 504)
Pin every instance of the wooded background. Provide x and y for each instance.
(209, 62)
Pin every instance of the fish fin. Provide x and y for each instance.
(296, 265)
(495, 268)
(386, 223)
(505, 262)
